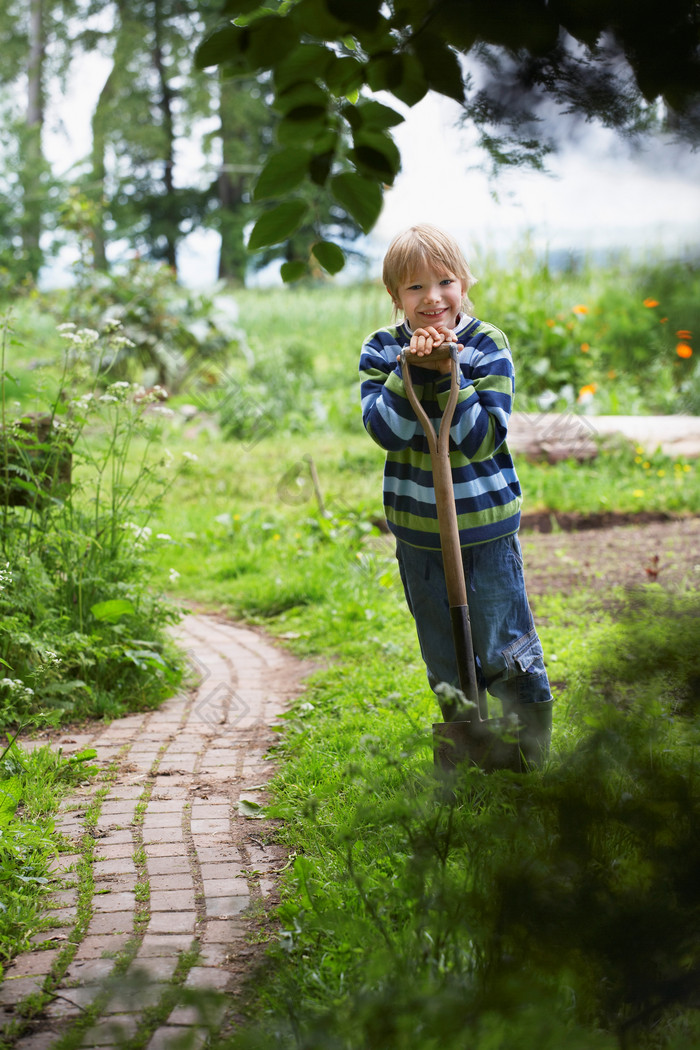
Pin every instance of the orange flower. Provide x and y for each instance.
(550, 323)
(651, 302)
(588, 390)
(585, 347)
(663, 320)
(580, 309)
(683, 350)
(612, 374)
(684, 333)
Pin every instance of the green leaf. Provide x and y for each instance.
(224, 44)
(247, 48)
(371, 115)
(282, 172)
(302, 101)
(270, 41)
(319, 135)
(10, 795)
(356, 13)
(83, 756)
(344, 75)
(67, 686)
(249, 809)
(361, 197)
(293, 270)
(401, 74)
(377, 153)
(320, 167)
(239, 7)
(330, 256)
(278, 224)
(112, 610)
(440, 66)
(312, 16)
(305, 62)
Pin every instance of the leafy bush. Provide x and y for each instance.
(606, 338)
(172, 332)
(80, 630)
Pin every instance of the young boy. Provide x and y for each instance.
(428, 279)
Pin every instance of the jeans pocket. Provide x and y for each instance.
(515, 551)
(524, 655)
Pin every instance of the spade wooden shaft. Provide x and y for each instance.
(438, 444)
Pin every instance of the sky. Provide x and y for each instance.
(598, 196)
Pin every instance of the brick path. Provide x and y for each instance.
(177, 867)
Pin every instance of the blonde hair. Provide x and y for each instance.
(423, 244)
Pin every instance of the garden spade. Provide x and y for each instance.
(490, 743)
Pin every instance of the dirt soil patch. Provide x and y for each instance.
(600, 558)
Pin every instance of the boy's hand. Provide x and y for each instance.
(425, 340)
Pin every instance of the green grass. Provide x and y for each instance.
(32, 784)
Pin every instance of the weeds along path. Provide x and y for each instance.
(168, 864)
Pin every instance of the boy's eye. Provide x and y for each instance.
(447, 280)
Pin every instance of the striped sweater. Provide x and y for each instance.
(487, 490)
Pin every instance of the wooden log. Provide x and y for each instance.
(36, 461)
(552, 436)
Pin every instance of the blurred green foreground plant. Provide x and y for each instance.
(494, 911)
(80, 631)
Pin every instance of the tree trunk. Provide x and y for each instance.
(32, 158)
(166, 107)
(238, 141)
(99, 172)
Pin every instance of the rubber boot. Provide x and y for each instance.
(535, 732)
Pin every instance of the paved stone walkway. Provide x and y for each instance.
(166, 867)
(559, 435)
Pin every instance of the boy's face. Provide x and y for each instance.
(430, 298)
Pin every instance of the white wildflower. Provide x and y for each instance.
(88, 336)
(109, 399)
(173, 575)
(163, 536)
(141, 533)
(191, 456)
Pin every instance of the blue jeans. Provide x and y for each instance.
(510, 662)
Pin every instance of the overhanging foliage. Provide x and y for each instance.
(618, 63)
